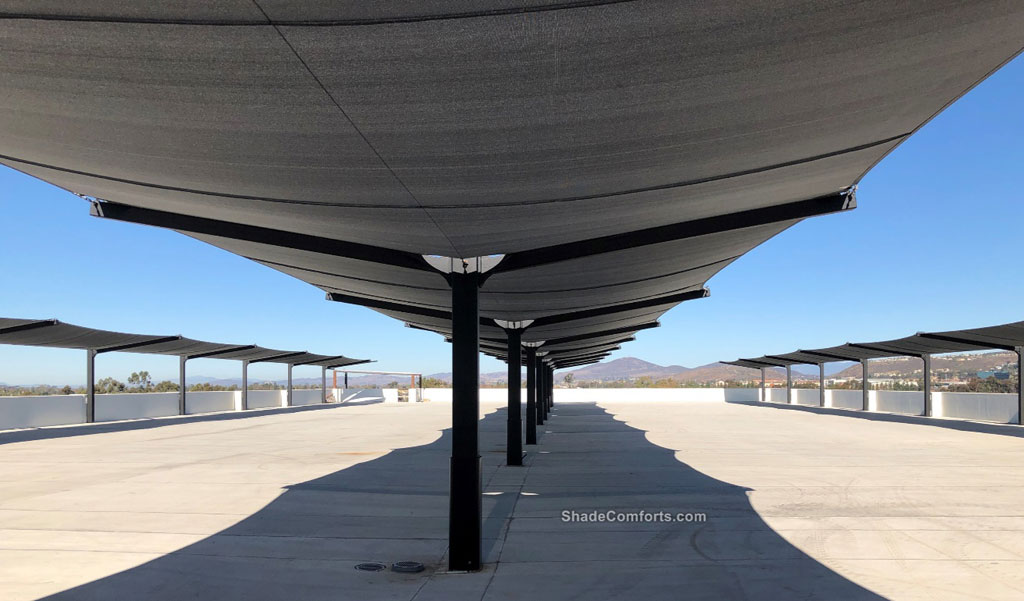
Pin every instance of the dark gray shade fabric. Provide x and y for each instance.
(56, 334)
(499, 127)
(1008, 336)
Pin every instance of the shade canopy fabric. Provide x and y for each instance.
(609, 152)
(1009, 336)
(56, 334)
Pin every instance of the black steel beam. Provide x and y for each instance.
(620, 308)
(261, 235)
(967, 340)
(612, 332)
(348, 363)
(830, 356)
(882, 349)
(276, 357)
(233, 349)
(43, 323)
(821, 205)
(334, 358)
(125, 347)
(388, 306)
(764, 363)
(464, 510)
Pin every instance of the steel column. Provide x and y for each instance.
(465, 510)
(531, 395)
(245, 385)
(323, 384)
(346, 379)
(929, 410)
(514, 434)
(181, 384)
(865, 387)
(821, 384)
(1020, 391)
(288, 395)
(763, 392)
(90, 386)
(789, 384)
(539, 383)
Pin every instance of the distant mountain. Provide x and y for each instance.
(631, 368)
(911, 366)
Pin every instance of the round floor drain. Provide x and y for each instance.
(407, 566)
(371, 566)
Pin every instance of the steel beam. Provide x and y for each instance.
(465, 510)
(125, 347)
(233, 349)
(968, 340)
(43, 323)
(514, 428)
(274, 358)
(261, 235)
(821, 205)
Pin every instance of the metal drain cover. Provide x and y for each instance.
(407, 566)
(371, 566)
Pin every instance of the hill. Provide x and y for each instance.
(965, 365)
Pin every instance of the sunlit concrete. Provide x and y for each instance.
(282, 505)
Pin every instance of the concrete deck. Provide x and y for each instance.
(282, 505)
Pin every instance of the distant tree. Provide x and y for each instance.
(165, 386)
(435, 383)
(140, 381)
(66, 390)
(109, 386)
(569, 380)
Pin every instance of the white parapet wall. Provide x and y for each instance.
(262, 399)
(306, 396)
(982, 406)
(38, 411)
(209, 401)
(113, 407)
(807, 396)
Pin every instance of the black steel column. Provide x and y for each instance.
(245, 385)
(539, 381)
(1020, 376)
(866, 388)
(90, 386)
(464, 509)
(288, 394)
(531, 395)
(821, 384)
(763, 397)
(549, 387)
(551, 401)
(181, 384)
(789, 384)
(514, 435)
(927, 385)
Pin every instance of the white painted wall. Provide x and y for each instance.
(896, 401)
(261, 399)
(806, 396)
(209, 401)
(845, 399)
(983, 406)
(306, 396)
(344, 395)
(37, 411)
(112, 407)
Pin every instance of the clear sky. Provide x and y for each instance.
(934, 244)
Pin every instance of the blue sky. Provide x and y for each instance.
(934, 244)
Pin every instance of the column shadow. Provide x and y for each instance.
(305, 544)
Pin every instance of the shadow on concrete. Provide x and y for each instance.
(962, 425)
(49, 432)
(305, 544)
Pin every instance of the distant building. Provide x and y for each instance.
(999, 375)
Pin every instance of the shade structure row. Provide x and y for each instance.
(581, 167)
(57, 334)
